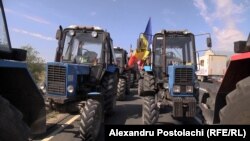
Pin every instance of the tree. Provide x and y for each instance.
(36, 64)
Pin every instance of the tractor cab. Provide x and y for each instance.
(6, 51)
(121, 58)
(82, 47)
(174, 48)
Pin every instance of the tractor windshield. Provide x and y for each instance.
(82, 48)
(118, 56)
(178, 49)
(4, 42)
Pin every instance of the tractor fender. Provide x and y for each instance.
(237, 70)
(95, 95)
(19, 88)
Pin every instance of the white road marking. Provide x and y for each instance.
(61, 128)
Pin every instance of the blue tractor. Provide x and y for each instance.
(83, 77)
(169, 76)
(22, 108)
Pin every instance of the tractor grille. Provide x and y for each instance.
(183, 75)
(56, 79)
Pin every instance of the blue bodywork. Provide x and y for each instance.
(111, 68)
(172, 79)
(148, 68)
(61, 75)
(12, 64)
(15, 65)
(70, 76)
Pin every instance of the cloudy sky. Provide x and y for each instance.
(35, 23)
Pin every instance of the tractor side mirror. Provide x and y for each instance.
(59, 33)
(209, 42)
(242, 46)
(248, 41)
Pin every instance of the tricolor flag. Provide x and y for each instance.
(141, 53)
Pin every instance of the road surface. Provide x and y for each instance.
(127, 112)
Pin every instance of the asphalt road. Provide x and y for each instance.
(127, 112)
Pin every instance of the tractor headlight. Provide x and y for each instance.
(94, 34)
(177, 88)
(42, 88)
(71, 32)
(70, 89)
(165, 85)
(189, 89)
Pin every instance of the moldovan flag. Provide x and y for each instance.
(141, 53)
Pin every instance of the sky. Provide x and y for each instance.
(34, 23)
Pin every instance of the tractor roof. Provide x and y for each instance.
(119, 49)
(97, 28)
(163, 31)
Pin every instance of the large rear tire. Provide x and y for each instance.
(148, 84)
(91, 120)
(150, 111)
(237, 110)
(128, 83)
(121, 89)
(140, 87)
(132, 80)
(12, 127)
(109, 88)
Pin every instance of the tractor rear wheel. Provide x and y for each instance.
(12, 127)
(148, 84)
(237, 110)
(150, 111)
(109, 88)
(91, 120)
(121, 89)
(132, 79)
(140, 87)
(128, 84)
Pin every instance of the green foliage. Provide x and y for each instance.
(36, 64)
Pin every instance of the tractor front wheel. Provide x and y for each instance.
(150, 111)
(91, 120)
(121, 89)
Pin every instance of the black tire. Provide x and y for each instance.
(132, 80)
(150, 111)
(128, 84)
(237, 110)
(109, 88)
(148, 84)
(121, 89)
(12, 127)
(91, 120)
(140, 87)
